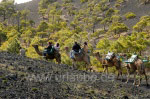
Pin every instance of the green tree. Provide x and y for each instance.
(118, 28)
(43, 26)
(103, 45)
(27, 37)
(143, 24)
(2, 37)
(105, 22)
(7, 9)
(14, 45)
(83, 1)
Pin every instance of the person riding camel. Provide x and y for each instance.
(49, 49)
(50, 45)
(85, 47)
(75, 49)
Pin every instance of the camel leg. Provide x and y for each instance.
(86, 66)
(146, 79)
(119, 74)
(88, 63)
(74, 65)
(89, 68)
(139, 79)
(58, 61)
(134, 78)
(104, 69)
(128, 74)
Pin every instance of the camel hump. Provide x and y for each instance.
(66, 47)
(97, 52)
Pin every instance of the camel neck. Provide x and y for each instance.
(99, 58)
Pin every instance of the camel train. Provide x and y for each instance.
(137, 66)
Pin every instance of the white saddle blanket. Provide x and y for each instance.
(109, 55)
(133, 58)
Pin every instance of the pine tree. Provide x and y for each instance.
(14, 45)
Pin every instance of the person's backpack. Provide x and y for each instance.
(48, 51)
(51, 51)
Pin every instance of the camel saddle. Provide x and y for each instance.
(132, 59)
(109, 55)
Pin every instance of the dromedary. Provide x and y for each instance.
(82, 57)
(56, 54)
(113, 62)
(138, 69)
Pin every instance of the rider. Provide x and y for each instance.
(85, 47)
(50, 45)
(57, 46)
(75, 49)
(49, 49)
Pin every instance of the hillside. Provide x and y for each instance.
(16, 70)
(129, 6)
(137, 8)
(33, 7)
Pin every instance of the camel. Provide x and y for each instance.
(82, 57)
(56, 54)
(113, 62)
(138, 69)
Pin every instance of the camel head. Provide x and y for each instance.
(67, 49)
(37, 50)
(97, 54)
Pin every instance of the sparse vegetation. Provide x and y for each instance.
(130, 15)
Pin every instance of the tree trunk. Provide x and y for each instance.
(0, 41)
(93, 28)
(4, 18)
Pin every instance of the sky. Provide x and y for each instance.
(20, 1)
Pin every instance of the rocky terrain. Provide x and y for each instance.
(25, 78)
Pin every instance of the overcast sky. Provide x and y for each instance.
(20, 1)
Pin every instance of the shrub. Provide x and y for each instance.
(34, 89)
(14, 45)
(118, 27)
(83, 1)
(120, 1)
(130, 15)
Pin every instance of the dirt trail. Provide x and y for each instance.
(22, 78)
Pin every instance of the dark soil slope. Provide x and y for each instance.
(25, 78)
